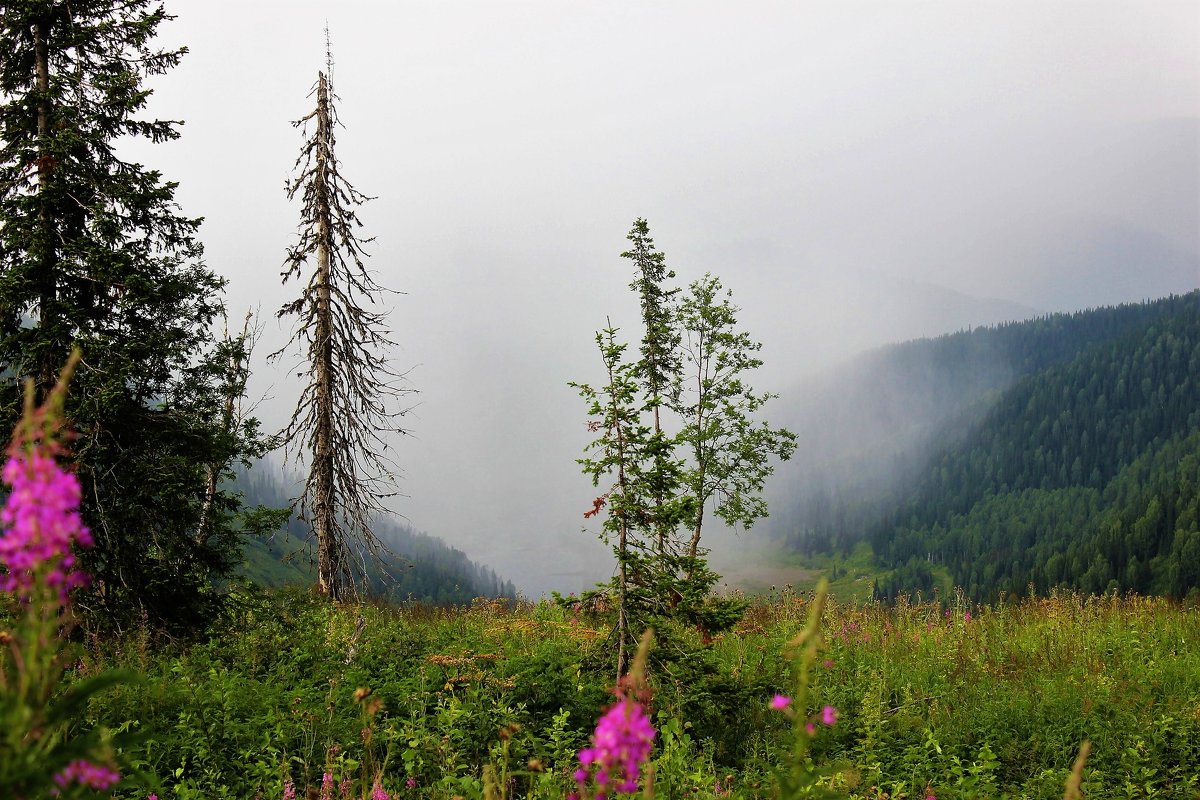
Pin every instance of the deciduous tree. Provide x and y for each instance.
(731, 452)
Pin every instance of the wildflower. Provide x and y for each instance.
(411, 783)
(620, 745)
(810, 729)
(345, 788)
(827, 663)
(779, 702)
(289, 789)
(967, 616)
(86, 774)
(377, 792)
(327, 786)
(829, 715)
(42, 520)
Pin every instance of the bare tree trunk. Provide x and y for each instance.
(658, 493)
(623, 578)
(324, 523)
(622, 616)
(47, 372)
(622, 536)
(694, 545)
(228, 425)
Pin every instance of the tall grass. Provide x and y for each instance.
(949, 700)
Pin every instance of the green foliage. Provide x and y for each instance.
(992, 706)
(94, 254)
(1066, 456)
(730, 454)
(662, 481)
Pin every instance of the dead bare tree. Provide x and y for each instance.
(349, 407)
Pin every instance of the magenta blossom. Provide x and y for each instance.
(377, 792)
(41, 521)
(88, 775)
(620, 745)
(779, 702)
(829, 715)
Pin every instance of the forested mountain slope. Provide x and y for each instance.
(1055, 452)
(424, 568)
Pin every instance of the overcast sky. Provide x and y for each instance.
(855, 172)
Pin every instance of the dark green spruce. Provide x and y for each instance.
(95, 254)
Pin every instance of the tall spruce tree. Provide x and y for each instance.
(95, 254)
(658, 371)
(346, 410)
(618, 452)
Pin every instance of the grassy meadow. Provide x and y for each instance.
(943, 700)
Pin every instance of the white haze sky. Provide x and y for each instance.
(856, 173)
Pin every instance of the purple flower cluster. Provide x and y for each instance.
(41, 518)
(91, 776)
(620, 745)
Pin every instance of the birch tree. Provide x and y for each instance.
(731, 453)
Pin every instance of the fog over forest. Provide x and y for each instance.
(857, 174)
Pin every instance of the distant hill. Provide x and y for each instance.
(1060, 451)
(424, 568)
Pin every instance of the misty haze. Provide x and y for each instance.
(577, 400)
(855, 178)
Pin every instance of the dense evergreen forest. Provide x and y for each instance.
(422, 567)
(1058, 452)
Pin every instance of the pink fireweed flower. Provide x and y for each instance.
(829, 715)
(377, 792)
(620, 745)
(41, 521)
(88, 775)
(327, 786)
(289, 789)
(779, 702)
(346, 789)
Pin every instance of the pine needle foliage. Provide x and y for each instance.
(95, 254)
